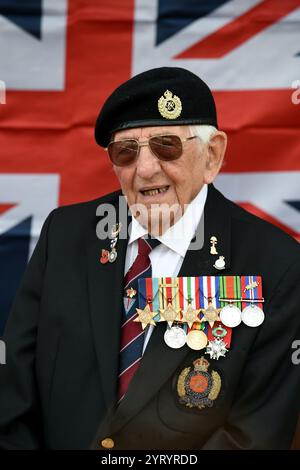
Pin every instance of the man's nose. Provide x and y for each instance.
(147, 164)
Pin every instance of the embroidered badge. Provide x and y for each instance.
(198, 388)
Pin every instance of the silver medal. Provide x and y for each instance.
(230, 316)
(175, 337)
(253, 315)
(112, 256)
(216, 348)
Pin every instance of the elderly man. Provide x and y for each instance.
(90, 367)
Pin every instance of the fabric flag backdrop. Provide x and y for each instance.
(60, 59)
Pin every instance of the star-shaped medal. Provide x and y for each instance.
(169, 314)
(145, 316)
(210, 314)
(190, 315)
(216, 348)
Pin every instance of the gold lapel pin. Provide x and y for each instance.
(213, 242)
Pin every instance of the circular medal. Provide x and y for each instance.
(253, 315)
(112, 256)
(196, 339)
(175, 337)
(230, 316)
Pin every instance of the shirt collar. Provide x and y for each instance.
(179, 235)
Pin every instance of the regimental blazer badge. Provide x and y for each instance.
(198, 388)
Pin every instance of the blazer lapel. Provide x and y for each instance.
(217, 223)
(159, 361)
(105, 285)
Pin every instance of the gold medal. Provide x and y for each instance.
(169, 314)
(196, 340)
(145, 316)
(210, 314)
(190, 316)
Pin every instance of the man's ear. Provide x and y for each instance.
(215, 154)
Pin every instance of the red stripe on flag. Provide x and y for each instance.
(6, 207)
(240, 30)
(52, 131)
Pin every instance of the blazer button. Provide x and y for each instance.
(107, 443)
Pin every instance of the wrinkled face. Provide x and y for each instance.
(150, 181)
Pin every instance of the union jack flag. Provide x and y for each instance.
(60, 59)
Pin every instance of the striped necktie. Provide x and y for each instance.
(132, 334)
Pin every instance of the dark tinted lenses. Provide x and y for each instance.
(123, 152)
(166, 147)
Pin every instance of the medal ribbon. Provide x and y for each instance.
(202, 301)
(253, 293)
(168, 291)
(155, 298)
(142, 296)
(190, 290)
(182, 299)
(179, 290)
(161, 296)
(148, 289)
(229, 288)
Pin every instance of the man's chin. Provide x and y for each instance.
(159, 218)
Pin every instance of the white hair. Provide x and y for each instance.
(204, 132)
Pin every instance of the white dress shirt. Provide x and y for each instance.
(166, 258)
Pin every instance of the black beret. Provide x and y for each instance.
(158, 97)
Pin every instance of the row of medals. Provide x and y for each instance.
(230, 315)
(176, 337)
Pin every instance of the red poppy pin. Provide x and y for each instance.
(104, 256)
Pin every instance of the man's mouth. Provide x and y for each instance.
(153, 191)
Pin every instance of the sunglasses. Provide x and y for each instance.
(165, 147)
